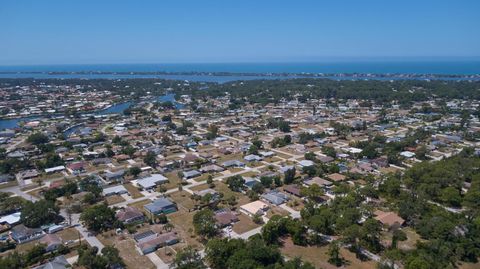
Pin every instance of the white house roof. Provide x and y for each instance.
(11, 219)
(254, 207)
(114, 190)
(55, 169)
(151, 181)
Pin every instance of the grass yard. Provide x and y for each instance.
(241, 198)
(275, 210)
(249, 174)
(114, 199)
(68, 234)
(295, 203)
(139, 205)
(182, 199)
(234, 169)
(200, 187)
(134, 192)
(166, 254)
(409, 244)
(8, 184)
(36, 193)
(204, 177)
(22, 248)
(254, 164)
(126, 247)
(318, 256)
(224, 158)
(244, 224)
(173, 180)
(282, 155)
(183, 222)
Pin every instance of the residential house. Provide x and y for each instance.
(152, 181)
(253, 158)
(292, 189)
(212, 168)
(115, 190)
(254, 208)
(58, 262)
(161, 206)
(225, 217)
(233, 163)
(389, 219)
(191, 174)
(129, 215)
(275, 197)
(51, 241)
(336, 177)
(22, 234)
(76, 168)
(114, 176)
(149, 241)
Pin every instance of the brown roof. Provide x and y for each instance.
(293, 189)
(159, 240)
(76, 166)
(225, 217)
(190, 157)
(336, 177)
(388, 218)
(128, 213)
(319, 181)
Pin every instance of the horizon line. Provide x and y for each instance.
(332, 59)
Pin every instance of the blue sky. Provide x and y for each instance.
(122, 31)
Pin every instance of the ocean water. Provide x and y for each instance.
(460, 67)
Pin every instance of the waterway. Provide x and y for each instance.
(114, 109)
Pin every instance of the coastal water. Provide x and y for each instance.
(262, 70)
(453, 66)
(114, 109)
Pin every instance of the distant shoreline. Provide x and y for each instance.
(250, 74)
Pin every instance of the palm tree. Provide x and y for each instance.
(168, 227)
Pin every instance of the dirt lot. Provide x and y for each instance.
(173, 179)
(183, 223)
(244, 224)
(167, 254)
(183, 200)
(114, 199)
(126, 247)
(68, 234)
(319, 258)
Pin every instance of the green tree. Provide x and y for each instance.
(98, 218)
(235, 183)
(36, 214)
(37, 138)
(204, 223)
(334, 254)
(135, 171)
(151, 159)
(289, 175)
(188, 258)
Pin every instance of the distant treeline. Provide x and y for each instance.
(272, 91)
